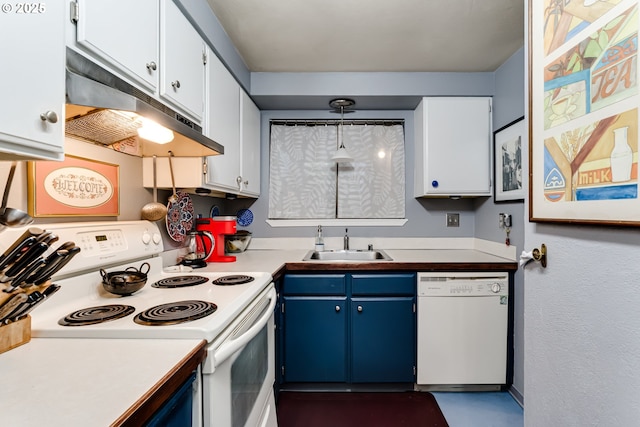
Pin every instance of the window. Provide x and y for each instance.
(306, 184)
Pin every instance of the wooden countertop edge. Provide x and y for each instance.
(153, 399)
(397, 266)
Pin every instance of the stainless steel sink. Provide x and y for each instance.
(348, 255)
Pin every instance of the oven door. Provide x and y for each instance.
(239, 371)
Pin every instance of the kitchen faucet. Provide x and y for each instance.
(346, 239)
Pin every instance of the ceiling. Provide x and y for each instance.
(373, 35)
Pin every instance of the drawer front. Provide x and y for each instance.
(383, 284)
(322, 284)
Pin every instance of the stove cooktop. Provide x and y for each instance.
(223, 304)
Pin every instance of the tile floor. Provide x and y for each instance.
(480, 409)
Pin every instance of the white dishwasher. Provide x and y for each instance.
(462, 330)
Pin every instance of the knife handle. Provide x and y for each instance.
(12, 304)
(29, 232)
(32, 299)
(51, 263)
(17, 252)
(46, 293)
(72, 252)
(25, 260)
(21, 277)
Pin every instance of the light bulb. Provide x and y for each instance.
(154, 132)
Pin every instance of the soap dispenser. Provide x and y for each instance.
(319, 240)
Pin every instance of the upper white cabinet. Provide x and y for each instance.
(150, 43)
(453, 147)
(233, 120)
(113, 31)
(182, 52)
(249, 146)
(223, 125)
(32, 104)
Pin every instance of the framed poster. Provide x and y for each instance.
(73, 187)
(583, 105)
(508, 143)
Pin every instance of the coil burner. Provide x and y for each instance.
(94, 315)
(180, 281)
(234, 279)
(175, 312)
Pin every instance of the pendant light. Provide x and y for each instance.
(342, 155)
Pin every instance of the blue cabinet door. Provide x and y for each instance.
(315, 339)
(383, 338)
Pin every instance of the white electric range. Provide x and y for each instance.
(236, 320)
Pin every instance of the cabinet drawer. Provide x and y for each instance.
(325, 284)
(383, 284)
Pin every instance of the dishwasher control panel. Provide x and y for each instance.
(463, 284)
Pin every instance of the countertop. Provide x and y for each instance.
(79, 382)
(277, 261)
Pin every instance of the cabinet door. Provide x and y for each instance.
(315, 339)
(382, 339)
(33, 73)
(250, 146)
(182, 68)
(113, 31)
(453, 147)
(223, 125)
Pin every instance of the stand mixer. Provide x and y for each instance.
(219, 227)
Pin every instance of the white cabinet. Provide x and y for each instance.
(233, 120)
(223, 125)
(33, 67)
(150, 43)
(113, 31)
(453, 147)
(249, 146)
(182, 52)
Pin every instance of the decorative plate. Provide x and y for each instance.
(215, 211)
(180, 217)
(245, 217)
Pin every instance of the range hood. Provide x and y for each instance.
(99, 107)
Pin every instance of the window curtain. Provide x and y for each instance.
(304, 180)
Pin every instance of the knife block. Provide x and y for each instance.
(15, 334)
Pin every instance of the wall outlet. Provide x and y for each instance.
(453, 220)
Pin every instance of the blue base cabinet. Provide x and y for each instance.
(382, 339)
(348, 328)
(316, 339)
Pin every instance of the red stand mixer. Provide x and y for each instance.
(219, 227)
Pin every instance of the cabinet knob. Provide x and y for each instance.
(151, 66)
(434, 184)
(49, 116)
(359, 309)
(337, 308)
(239, 182)
(176, 84)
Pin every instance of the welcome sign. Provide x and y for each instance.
(73, 187)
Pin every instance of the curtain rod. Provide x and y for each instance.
(319, 122)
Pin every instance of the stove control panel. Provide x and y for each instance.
(101, 242)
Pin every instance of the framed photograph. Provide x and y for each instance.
(508, 143)
(583, 112)
(73, 187)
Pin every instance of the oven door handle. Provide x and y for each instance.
(227, 349)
